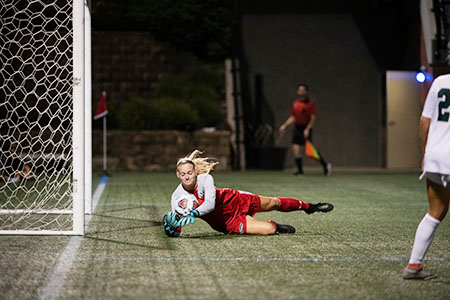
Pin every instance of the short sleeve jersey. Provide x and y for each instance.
(437, 108)
(302, 111)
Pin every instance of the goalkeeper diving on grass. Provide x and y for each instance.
(226, 210)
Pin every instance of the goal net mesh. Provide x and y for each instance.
(36, 115)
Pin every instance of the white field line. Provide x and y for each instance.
(55, 280)
(259, 259)
(144, 203)
(135, 204)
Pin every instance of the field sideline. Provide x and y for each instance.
(355, 252)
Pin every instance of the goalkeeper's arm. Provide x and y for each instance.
(170, 225)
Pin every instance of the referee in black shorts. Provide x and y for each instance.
(303, 115)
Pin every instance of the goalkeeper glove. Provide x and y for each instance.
(170, 223)
(189, 219)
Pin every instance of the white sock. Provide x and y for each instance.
(424, 237)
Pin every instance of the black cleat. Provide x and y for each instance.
(281, 228)
(298, 173)
(322, 207)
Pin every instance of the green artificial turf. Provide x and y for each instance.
(355, 252)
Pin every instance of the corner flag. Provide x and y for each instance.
(101, 107)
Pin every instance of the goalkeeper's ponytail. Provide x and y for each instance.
(203, 165)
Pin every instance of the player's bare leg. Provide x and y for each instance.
(438, 199)
(265, 228)
(259, 227)
(269, 203)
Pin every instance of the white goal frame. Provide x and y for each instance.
(81, 135)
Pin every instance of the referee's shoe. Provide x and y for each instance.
(327, 169)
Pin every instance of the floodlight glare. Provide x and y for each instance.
(420, 77)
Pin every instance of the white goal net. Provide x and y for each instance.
(41, 117)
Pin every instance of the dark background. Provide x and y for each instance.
(342, 49)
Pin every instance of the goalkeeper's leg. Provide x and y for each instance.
(259, 227)
(286, 204)
(265, 228)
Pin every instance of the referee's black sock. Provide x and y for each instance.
(324, 165)
(298, 161)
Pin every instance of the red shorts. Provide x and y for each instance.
(231, 209)
(250, 204)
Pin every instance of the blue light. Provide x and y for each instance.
(421, 77)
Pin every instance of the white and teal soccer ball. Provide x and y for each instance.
(185, 204)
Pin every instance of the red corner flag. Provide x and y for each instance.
(101, 108)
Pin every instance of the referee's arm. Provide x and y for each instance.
(288, 122)
(309, 126)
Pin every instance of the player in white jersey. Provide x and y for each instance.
(227, 210)
(435, 141)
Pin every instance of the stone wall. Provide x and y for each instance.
(131, 63)
(157, 150)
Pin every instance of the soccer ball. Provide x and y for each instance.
(185, 204)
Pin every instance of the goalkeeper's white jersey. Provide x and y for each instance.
(437, 108)
(205, 192)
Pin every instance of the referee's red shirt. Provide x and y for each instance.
(302, 111)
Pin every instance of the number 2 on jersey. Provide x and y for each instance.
(444, 105)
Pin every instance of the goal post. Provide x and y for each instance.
(88, 208)
(78, 117)
(42, 117)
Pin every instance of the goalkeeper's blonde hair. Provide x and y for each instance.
(203, 165)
